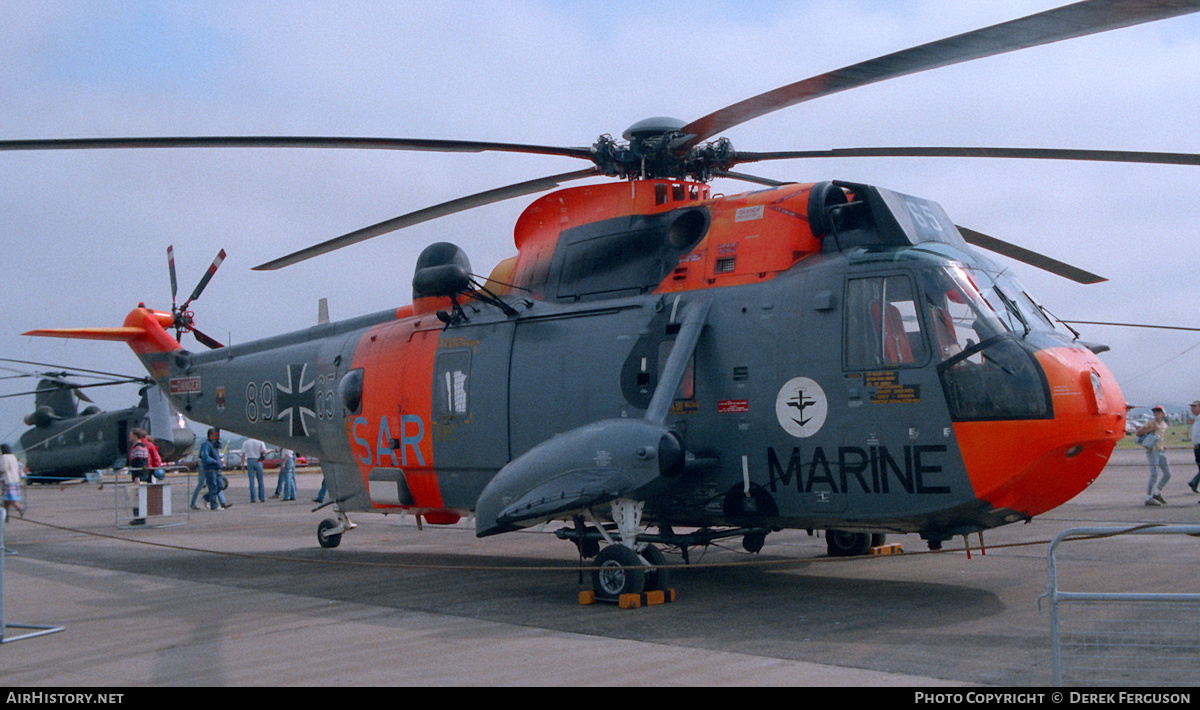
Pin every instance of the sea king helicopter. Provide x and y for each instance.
(660, 366)
(66, 443)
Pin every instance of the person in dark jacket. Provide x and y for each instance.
(210, 471)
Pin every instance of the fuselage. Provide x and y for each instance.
(838, 382)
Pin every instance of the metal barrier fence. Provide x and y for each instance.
(1124, 638)
(32, 629)
(163, 502)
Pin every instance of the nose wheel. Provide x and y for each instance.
(328, 533)
(329, 530)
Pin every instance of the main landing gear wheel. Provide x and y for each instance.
(620, 571)
(840, 543)
(659, 578)
(326, 538)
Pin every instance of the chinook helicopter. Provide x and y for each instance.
(662, 366)
(66, 443)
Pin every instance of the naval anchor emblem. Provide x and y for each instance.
(801, 407)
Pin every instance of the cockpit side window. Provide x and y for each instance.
(883, 325)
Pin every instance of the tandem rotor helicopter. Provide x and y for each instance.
(662, 366)
(65, 443)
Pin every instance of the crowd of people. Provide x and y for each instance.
(145, 465)
(254, 453)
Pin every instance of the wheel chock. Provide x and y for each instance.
(889, 549)
(660, 596)
(631, 601)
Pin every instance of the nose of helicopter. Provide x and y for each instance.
(1030, 466)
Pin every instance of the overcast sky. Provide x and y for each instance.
(85, 233)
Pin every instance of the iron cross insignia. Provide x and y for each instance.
(296, 399)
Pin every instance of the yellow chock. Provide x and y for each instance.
(889, 549)
(587, 598)
(629, 601)
(654, 598)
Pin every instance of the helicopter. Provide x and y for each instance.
(663, 366)
(66, 443)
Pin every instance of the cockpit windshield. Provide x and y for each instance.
(1010, 302)
(979, 323)
(958, 313)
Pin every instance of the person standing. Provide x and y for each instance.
(287, 474)
(154, 458)
(139, 472)
(210, 470)
(1195, 434)
(11, 468)
(253, 452)
(139, 459)
(1156, 456)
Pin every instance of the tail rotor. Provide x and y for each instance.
(182, 316)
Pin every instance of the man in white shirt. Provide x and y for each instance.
(252, 457)
(1195, 431)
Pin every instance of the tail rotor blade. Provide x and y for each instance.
(204, 281)
(210, 342)
(171, 267)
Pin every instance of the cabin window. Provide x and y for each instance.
(883, 328)
(452, 384)
(687, 386)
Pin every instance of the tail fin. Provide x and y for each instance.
(144, 330)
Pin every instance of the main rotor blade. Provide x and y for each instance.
(72, 386)
(1130, 325)
(423, 215)
(1078, 20)
(441, 146)
(171, 268)
(1032, 258)
(1115, 156)
(204, 280)
(749, 178)
(66, 367)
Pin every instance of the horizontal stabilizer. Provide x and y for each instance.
(123, 335)
(143, 330)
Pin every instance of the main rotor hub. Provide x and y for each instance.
(650, 153)
(652, 127)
